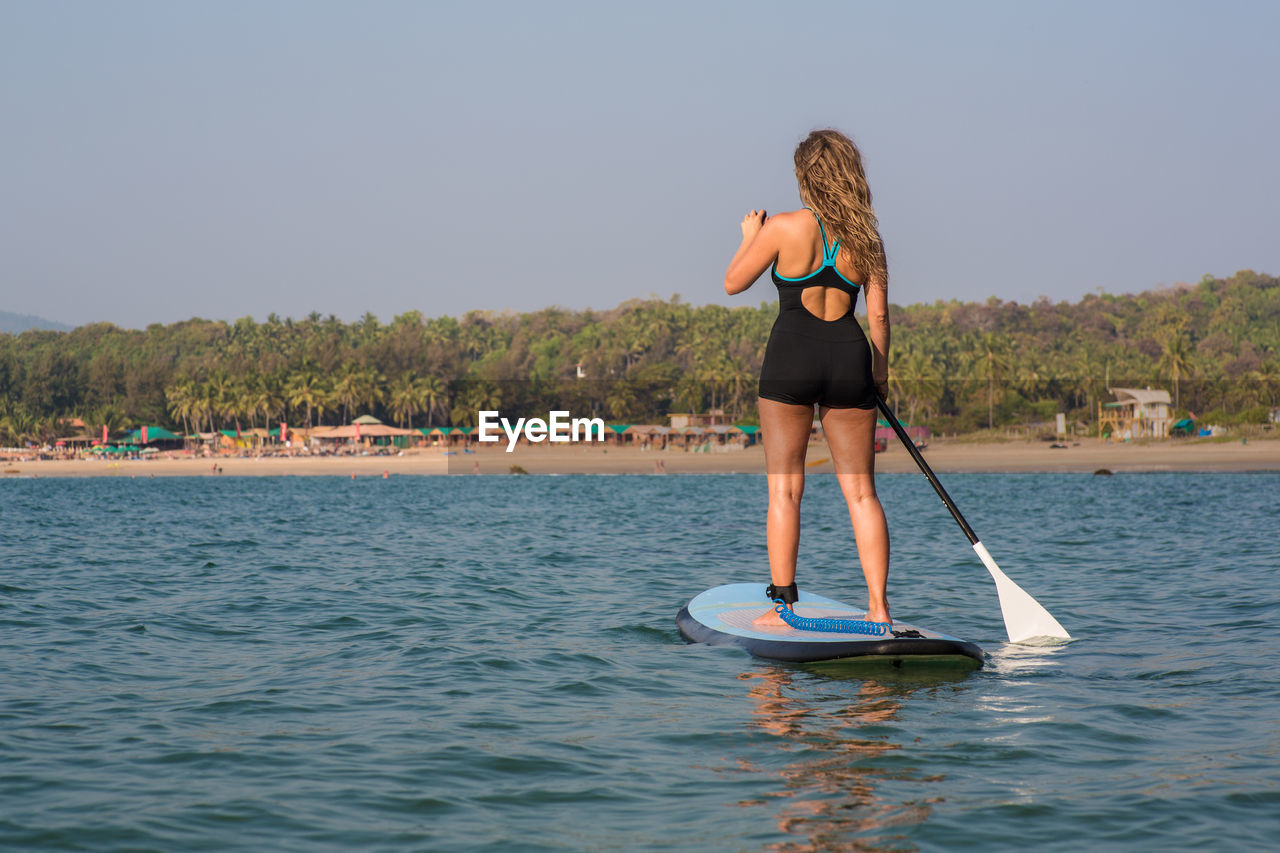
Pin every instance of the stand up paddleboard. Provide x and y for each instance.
(722, 616)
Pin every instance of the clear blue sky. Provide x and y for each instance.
(166, 160)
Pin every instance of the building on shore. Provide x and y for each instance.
(1136, 413)
(715, 417)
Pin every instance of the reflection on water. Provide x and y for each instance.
(1019, 659)
(834, 726)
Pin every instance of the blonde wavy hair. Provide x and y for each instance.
(829, 172)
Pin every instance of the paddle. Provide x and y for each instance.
(1024, 618)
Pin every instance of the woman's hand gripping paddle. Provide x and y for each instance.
(1024, 618)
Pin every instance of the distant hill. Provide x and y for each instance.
(16, 323)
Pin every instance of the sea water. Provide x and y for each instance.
(491, 663)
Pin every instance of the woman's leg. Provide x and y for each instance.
(784, 430)
(851, 436)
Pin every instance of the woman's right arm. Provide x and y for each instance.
(759, 249)
(877, 293)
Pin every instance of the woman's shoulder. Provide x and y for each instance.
(793, 218)
(798, 224)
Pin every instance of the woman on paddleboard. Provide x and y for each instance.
(821, 257)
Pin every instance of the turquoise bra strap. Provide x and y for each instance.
(830, 258)
(828, 253)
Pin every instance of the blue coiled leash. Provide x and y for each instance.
(834, 626)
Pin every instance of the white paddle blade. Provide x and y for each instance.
(1024, 618)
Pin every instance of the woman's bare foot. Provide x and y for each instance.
(881, 616)
(878, 612)
(769, 619)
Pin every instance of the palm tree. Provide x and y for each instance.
(915, 378)
(477, 396)
(222, 397)
(266, 397)
(1025, 375)
(323, 400)
(1175, 358)
(634, 345)
(995, 348)
(1080, 379)
(434, 395)
(691, 349)
(303, 389)
(619, 400)
(108, 416)
(180, 398)
(373, 388)
(347, 390)
(16, 426)
(1269, 376)
(965, 370)
(405, 398)
(48, 428)
(741, 378)
(689, 393)
(246, 397)
(366, 328)
(713, 369)
(195, 404)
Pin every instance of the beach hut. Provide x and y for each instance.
(649, 435)
(460, 436)
(156, 437)
(435, 435)
(748, 434)
(1136, 413)
(367, 434)
(152, 435)
(242, 440)
(718, 434)
(690, 437)
(205, 442)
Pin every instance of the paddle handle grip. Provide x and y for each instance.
(925, 469)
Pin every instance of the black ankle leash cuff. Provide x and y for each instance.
(788, 594)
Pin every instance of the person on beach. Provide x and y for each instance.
(821, 257)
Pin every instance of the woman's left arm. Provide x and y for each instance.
(877, 298)
(759, 249)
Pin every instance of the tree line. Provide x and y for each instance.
(956, 366)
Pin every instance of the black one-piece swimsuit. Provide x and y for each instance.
(810, 360)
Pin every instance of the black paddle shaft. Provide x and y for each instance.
(926, 470)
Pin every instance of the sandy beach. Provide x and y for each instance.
(1083, 456)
